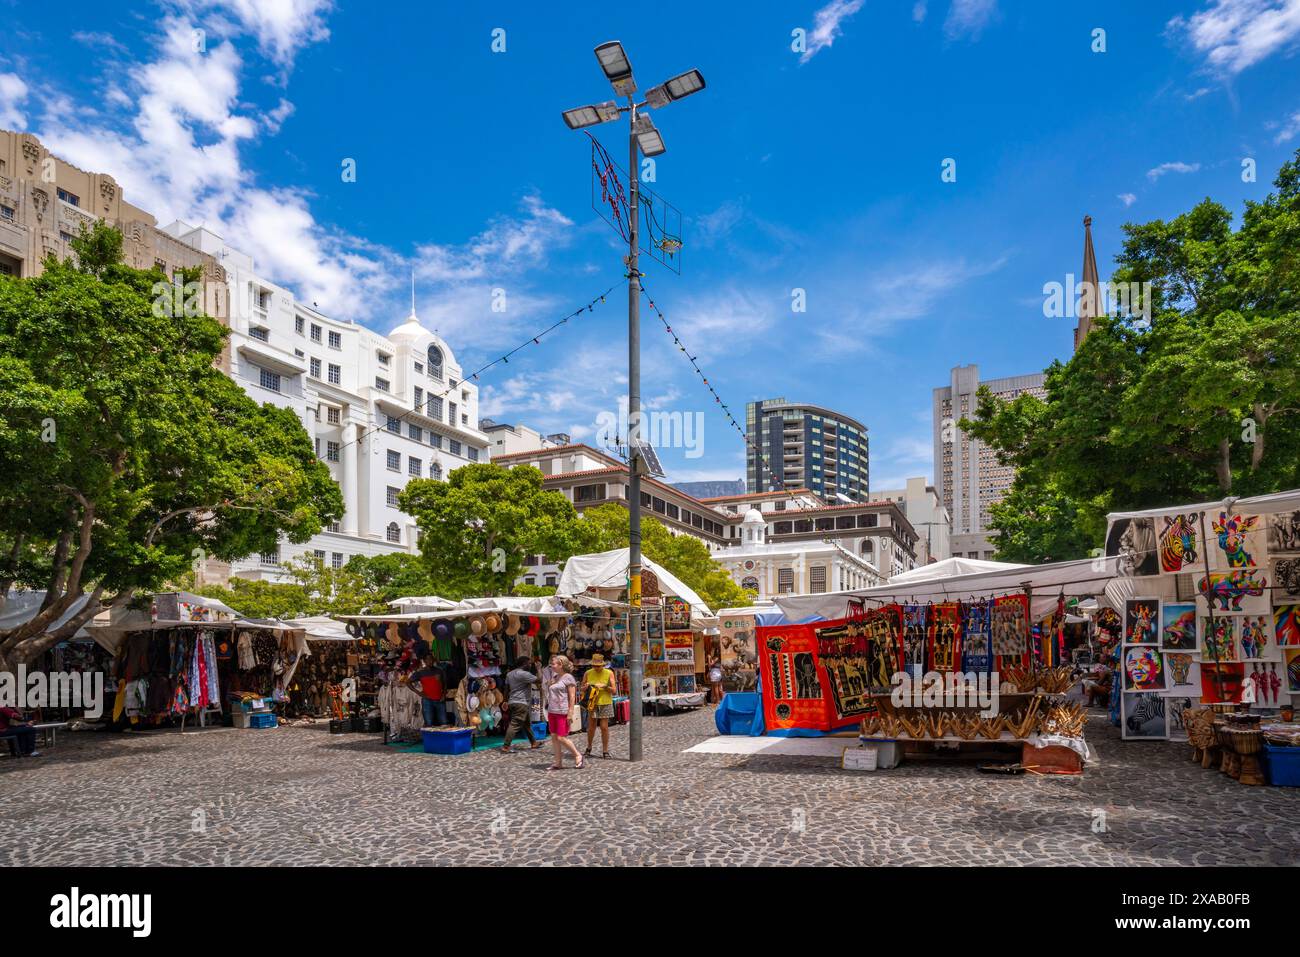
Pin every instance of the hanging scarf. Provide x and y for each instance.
(914, 638)
(944, 640)
(246, 660)
(210, 666)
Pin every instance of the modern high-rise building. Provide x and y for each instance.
(805, 447)
(969, 477)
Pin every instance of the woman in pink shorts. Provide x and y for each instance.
(560, 698)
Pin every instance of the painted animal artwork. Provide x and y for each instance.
(1254, 636)
(1141, 615)
(1227, 589)
(1286, 575)
(1284, 533)
(1178, 627)
(1178, 542)
(1232, 538)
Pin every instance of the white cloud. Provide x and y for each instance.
(969, 18)
(1233, 35)
(13, 91)
(826, 26)
(918, 11)
(281, 27)
(1288, 129)
(273, 120)
(712, 227)
(1176, 167)
(1128, 199)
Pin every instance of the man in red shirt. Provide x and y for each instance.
(428, 681)
(21, 734)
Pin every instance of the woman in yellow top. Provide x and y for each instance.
(601, 682)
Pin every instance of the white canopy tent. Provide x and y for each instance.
(609, 570)
(950, 568)
(1077, 579)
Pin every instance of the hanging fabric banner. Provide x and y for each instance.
(944, 644)
(975, 645)
(1010, 629)
(792, 681)
(885, 629)
(844, 653)
(915, 635)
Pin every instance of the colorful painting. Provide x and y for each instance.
(738, 653)
(1009, 626)
(1133, 542)
(1141, 619)
(1265, 683)
(1176, 705)
(793, 679)
(1143, 716)
(1286, 626)
(1178, 541)
(1182, 673)
(1143, 669)
(944, 643)
(679, 648)
(884, 627)
(1245, 590)
(1178, 627)
(685, 684)
(1238, 540)
(1219, 638)
(1291, 658)
(677, 613)
(976, 645)
(1222, 683)
(1255, 638)
(845, 654)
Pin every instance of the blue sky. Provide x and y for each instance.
(818, 170)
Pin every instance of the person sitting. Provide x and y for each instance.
(1096, 687)
(20, 733)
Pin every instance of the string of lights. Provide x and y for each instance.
(503, 359)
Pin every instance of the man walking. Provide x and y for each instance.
(520, 682)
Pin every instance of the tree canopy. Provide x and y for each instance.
(1198, 398)
(125, 454)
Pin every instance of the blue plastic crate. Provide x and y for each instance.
(1282, 764)
(454, 741)
(258, 720)
(539, 729)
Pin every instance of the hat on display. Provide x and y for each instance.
(492, 621)
(425, 629)
(598, 661)
(394, 635)
(512, 624)
(476, 626)
(442, 629)
(473, 702)
(460, 628)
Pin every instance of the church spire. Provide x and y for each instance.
(1089, 288)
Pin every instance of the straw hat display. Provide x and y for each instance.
(492, 622)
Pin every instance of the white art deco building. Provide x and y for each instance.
(381, 410)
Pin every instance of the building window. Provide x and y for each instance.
(453, 446)
(271, 557)
(392, 496)
(419, 368)
(472, 452)
(336, 560)
(413, 466)
(435, 440)
(785, 581)
(381, 384)
(414, 432)
(451, 413)
(336, 374)
(589, 493)
(331, 451)
(433, 409)
(394, 461)
(269, 380)
(332, 415)
(336, 340)
(315, 332)
(383, 359)
(435, 470)
(551, 581)
(817, 579)
(659, 505)
(672, 510)
(419, 397)
(298, 324)
(319, 553)
(315, 368)
(394, 534)
(435, 362)
(316, 443)
(72, 199)
(260, 333)
(394, 426)
(6, 212)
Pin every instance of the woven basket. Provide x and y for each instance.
(1200, 727)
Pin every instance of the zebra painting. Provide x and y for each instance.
(1144, 716)
(1178, 542)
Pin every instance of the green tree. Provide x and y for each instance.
(394, 575)
(125, 454)
(606, 527)
(477, 527)
(1198, 399)
(263, 599)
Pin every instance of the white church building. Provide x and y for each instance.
(797, 567)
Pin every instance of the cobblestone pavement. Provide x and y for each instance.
(298, 795)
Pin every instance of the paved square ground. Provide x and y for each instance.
(302, 796)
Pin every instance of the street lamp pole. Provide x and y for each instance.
(636, 665)
(642, 138)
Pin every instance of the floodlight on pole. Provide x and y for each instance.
(643, 139)
(618, 68)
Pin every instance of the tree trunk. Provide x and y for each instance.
(1224, 467)
(1257, 448)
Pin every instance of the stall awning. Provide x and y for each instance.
(609, 570)
(1080, 579)
(951, 568)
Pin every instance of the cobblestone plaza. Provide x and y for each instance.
(298, 795)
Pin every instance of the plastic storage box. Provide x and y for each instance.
(539, 729)
(447, 741)
(263, 719)
(1282, 764)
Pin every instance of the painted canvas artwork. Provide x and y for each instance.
(1178, 627)
(1266, 681)
(1219, 638)
(1143, 669)
(1284, 533)
(1143, 716)
(1286, 626)
(1178, 541)
(1141, 621)
(1176, 706)
(1255, 639)
(1242, 590)
(1133, 541)
(1183, 674)
(1291, 659)
(1237, 540)
(1222, 683)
